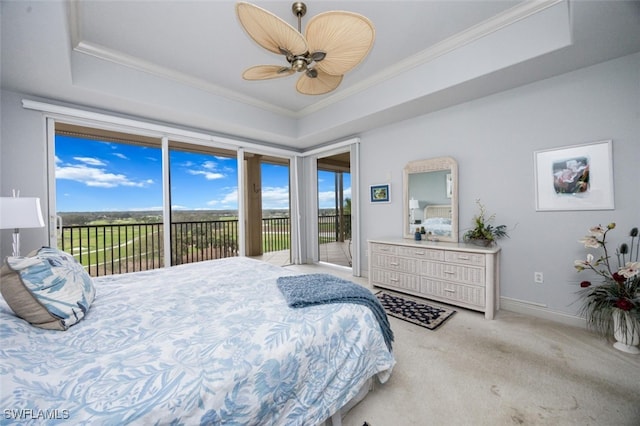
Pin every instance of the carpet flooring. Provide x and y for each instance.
(513, 370)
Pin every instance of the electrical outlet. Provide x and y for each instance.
(538, 277)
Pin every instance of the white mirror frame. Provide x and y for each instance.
(425, 166)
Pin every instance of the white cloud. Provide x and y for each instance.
(207, 175)
(119, 155)
(90, 161)
(275, 197)
(96, 177)
(228, 200)
(208, 169)
(327, 198)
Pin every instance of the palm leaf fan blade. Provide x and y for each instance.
(323, 83)
(269, 31)
(346, 38)
(266, 72)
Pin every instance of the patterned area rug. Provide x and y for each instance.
(419, 313)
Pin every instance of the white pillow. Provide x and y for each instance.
(48, 288)
(438, 221)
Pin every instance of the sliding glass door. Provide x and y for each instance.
(108, 198)
(127, 202)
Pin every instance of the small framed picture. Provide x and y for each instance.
(578, 177)
(380, 193)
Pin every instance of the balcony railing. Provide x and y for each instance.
(120, 248)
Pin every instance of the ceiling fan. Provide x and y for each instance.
(333, 44)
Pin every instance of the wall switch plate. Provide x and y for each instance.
(538, 277)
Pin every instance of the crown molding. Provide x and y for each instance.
(471, 34)
(138, 64)
(104, 53)
(491, 25)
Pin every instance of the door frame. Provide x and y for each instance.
(310, 181)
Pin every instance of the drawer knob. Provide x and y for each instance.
(449, 290)
(449, 272)
(394, 263)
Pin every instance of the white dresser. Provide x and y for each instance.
(459, 274)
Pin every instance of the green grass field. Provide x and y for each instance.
(107, 246)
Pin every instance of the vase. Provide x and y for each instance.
(481, 242)
(627, 335)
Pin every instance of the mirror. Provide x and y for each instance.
(431, 199)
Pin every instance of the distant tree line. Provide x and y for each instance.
(154, 216)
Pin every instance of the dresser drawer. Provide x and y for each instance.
(463, 258)
(456, 293)
(384, 278)
(383, 248)
(394, 263)
(421, 253)
(452, 272)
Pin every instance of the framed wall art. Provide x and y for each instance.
(577, 177)
(380, 193)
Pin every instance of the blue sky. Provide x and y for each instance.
(107, 176)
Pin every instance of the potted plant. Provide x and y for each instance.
(484, 233)
(613, 305)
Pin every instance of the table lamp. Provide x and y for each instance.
(413, 204)
(20, 212)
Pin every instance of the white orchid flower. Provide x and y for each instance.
(583, 264)
(597, 230)
(631, 269)
(590, 241)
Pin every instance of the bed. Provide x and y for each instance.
(206, 343)
(437, 219)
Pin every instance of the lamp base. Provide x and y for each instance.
(16, 243)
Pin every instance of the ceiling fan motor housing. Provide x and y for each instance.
(299, 63)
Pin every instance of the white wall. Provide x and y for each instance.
(22, 165)
(493, 139)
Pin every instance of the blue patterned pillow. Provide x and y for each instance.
(48, 288)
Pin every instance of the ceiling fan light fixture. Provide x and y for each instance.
(337, 41)
(299, 64)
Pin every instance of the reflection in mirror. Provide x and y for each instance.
(431, 199)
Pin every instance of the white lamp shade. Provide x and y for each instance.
(414, 204)
(20, 212)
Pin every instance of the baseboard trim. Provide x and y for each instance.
(541, 311)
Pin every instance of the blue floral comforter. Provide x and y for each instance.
(205, 343)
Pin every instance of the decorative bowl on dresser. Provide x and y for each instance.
(459, 274)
